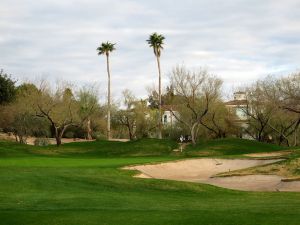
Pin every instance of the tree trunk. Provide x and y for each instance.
(57, 136)
(194, 133)
(108, 98)
(295, 137)
(159, 97)
(130, 133)
(58, 140)
(89, 130)
(59, 133)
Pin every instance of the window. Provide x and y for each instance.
(165, 118)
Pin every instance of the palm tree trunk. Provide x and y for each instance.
(108, 98)
(159, 97)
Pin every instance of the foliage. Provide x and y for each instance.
(7, 88)
(41, 142)
(106, 48)
(197, 91)
(89, 106)
(156, 41)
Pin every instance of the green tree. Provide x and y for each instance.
(19, 117)
(88, 102)
(106, 49)
(156, 41)
(7, 88)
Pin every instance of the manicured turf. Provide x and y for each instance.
(83, 184)
(231, 146)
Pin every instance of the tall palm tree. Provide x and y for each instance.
(106, 49)
(156, 42)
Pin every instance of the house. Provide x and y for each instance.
(169, 115)
(238, 107)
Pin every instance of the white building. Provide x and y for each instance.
(169, 115)
(238, 106)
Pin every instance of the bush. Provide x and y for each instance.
(41, 142)
(69, 134)
(99, 136)
(174, 133)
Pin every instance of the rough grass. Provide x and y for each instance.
(82, 184)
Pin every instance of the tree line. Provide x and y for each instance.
(193, 97)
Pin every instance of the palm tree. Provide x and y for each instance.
(105, 49)
(156, 42)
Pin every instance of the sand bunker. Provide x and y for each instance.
(268, 154)
(204, 170)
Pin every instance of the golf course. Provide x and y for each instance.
(86, 183)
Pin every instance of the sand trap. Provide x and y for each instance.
(203, 170)
(255, 183)
(268, 154)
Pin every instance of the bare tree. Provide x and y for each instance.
(259, 111)
(196, 90)
(289, 89)
(283, 94)
(136, 116)
(59, 107)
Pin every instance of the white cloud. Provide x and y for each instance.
(236, 40)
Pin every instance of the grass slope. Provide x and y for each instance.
(230, 146)
(69, 187)
(143, 147)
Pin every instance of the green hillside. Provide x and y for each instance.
(230, 146)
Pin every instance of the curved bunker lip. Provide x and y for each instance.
(204, 170)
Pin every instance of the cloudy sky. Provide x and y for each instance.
(238, 40)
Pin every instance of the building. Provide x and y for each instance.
(238, 107)
(169, 115)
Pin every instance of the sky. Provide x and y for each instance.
(237, 40)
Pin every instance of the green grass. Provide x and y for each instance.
(143, 147)
(83, 184)
(230, 146)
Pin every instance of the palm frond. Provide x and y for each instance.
(106, 48)
(156, 41)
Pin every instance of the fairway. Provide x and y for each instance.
(40, 187)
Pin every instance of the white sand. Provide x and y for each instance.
(203, 170)
(268, 154)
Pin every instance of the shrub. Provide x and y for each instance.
(99, 136)
(69, 134)
(41, 142)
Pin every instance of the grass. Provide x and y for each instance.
(230, 147)
(289, 168)
(82, 184)
(143, 147)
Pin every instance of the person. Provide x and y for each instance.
(181, 138)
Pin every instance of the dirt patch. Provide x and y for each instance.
(120, 140)
(30, 140)
(52, 141)
(204, 170)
